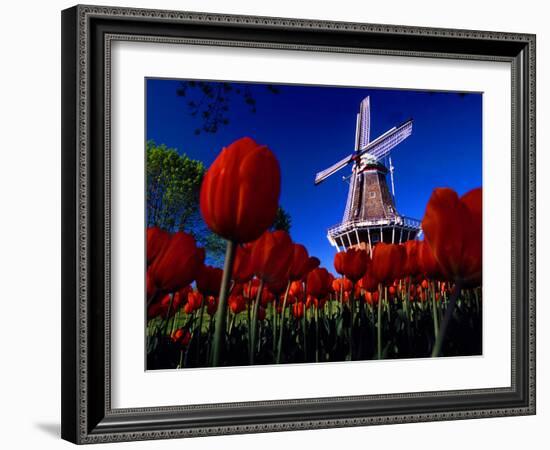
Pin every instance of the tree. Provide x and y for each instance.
(173, 189)
(211, 101)
(283, 221)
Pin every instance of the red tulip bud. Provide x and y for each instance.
(453, 228)
(209, 280)
(272, 255)
(239, 195)
(178, 265)
(157, 239)
(298, 310)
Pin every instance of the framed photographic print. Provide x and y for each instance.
(250, 203)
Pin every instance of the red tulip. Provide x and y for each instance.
(154, 310)
(411, 266)
(238, 289)
(261, 313)
(296, 289)
(453, 229)
(342, 284)
(157, 239)
(428, 266)
(240, 192)
(194, 302)
(311, 301)
(339, 262)
(355, 263)
(318, 283)
(250, 290)
(179, 263)
(277, 287)
(330, 281)
(368, 282)
(301, 264)
(387, 262)
(272, 255)
(168, 305)
(266, 297)
(242, 266)
(298, 310)
(372, 298)
(150, 285)
(312, 263)
(346, 298)
(180, 297)
(181, 336)
(237, 304)
(209, 280)
(211, 305)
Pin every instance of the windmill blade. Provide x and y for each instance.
(382, 145)
(363, 132)
(334, 168)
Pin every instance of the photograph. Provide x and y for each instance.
(290, 224)
(273, 222)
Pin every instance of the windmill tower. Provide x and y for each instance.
(370, 215)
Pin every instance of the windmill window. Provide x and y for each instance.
(372, 194)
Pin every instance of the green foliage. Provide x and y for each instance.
(283, 221)
(215, 246)
(173, 189)
(173, 186)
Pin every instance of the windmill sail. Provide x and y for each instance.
(382, 145)
(334, 168)
(364, 124)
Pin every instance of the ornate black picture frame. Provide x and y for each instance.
(87, 34)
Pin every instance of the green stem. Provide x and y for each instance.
(201, 314)
(388, 305)
(304, 331)
(175, 322)
(273, 315)
(252, 350)
(249, 319)
(352, 307)
(316, 315)
(379, 323)
(476, 297)
(280, 338)
(181, 359)
(168, 314)
(434, 311)
(209, 343)
(448, 314)
(231, 324)
(222, 305)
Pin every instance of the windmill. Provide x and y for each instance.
(370, 215)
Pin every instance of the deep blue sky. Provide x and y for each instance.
(311, 127)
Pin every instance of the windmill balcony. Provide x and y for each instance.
(369, 232)
(352, 224)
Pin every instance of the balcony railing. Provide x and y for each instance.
(353, 224)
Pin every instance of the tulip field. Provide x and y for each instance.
(273, 303)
